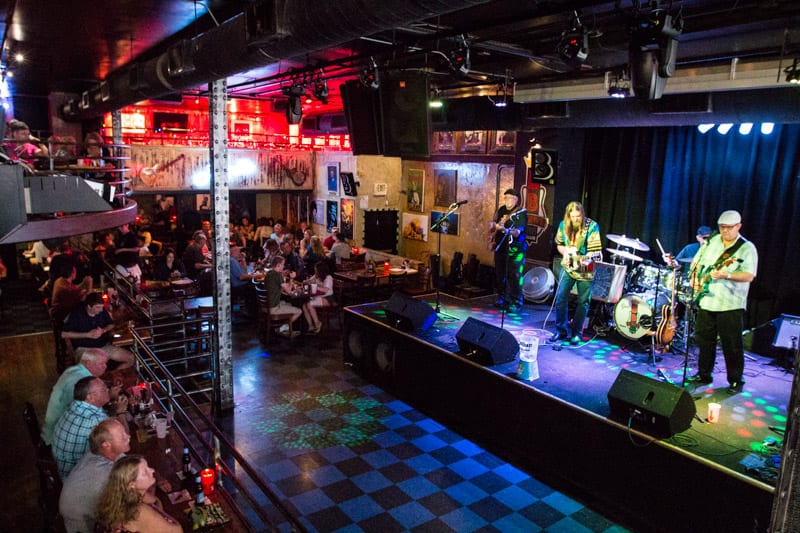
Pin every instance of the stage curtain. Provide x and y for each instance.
(665, 182)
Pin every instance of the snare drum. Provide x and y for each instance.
(633, 314)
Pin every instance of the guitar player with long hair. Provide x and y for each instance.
(721, 274)
(578, 242)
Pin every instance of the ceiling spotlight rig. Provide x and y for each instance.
(459, 58)
(574, 44)
(369, 75)
(653, 50)
(619, 84)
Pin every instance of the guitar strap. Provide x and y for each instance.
(727, 254)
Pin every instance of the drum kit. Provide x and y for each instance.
(648, 288)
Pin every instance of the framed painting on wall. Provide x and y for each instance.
(333, 179)
(504, 142)
(347, 216)
(448, 226)
(318, 212)
(472, 142)
(331, 215)
(415, 189)
(443, 142)
(445, 185)
(415, 227)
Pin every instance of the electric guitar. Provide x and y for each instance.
(668, 325)
(702, 277)
(580, 267)
(151, 175)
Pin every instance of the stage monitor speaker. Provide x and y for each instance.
(360, 105)
(486, 344)
(405, 116)
(409, 314)
(651, 406)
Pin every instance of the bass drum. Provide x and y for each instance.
(635, 312)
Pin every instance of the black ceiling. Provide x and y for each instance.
(71, 45)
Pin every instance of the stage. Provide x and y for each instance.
(707, 477)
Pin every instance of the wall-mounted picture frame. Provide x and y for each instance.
(471, 142)
(331, 215)
(415, 190)
(349, 187)
(445, 186)
(504, 142)
(347, 210)
(333, 178)
(443, 142)
(449, 226)
(415, 227)
(318, 212)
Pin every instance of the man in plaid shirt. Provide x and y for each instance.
(71, 434)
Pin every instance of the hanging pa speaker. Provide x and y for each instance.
(409, 314)
(486, 344)
(654, 407)
(405, 115)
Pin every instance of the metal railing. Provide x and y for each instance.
(246, 491)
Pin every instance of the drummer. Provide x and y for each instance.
(690, 250)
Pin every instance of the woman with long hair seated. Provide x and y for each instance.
(169, 267)
(128, 502)
(324, 281)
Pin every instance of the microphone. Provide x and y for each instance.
(459, 204)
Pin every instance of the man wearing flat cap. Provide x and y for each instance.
(507, 231)
(721, 274)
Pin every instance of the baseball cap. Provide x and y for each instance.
(703, 231)
(729, 218)
(512, 192)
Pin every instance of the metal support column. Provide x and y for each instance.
(220, 215)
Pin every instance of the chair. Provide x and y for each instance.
(335, 308)
(266, 320)
(395, 282)
(65, 356)
(49, 478)
(421, 284)
(362, 291)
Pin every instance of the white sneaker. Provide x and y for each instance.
(284, 329)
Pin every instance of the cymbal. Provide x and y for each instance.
(624, 254)
(622, 240)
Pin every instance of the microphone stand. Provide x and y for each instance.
(436, 226)
(507, 239)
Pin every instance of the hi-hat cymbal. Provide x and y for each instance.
(622, 240)
(624, 254)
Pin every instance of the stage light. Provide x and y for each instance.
(705, 128)
(435, 103)
(369, 77)
(308, 98)
(321, 91)
(767, 128)
(619, 85)
(723, 129)
(574, 44)
(459, 58)
(793, 72)
(745, 128)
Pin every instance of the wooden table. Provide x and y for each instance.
(165, 456)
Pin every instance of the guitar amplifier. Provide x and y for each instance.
(788, 332)
(609, 280)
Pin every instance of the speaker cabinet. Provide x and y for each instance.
(361, 114)
(486, 344)
(405, 116)
(409, 314)
(651, 406)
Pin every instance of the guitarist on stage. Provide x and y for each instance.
(721, 273)
(507, 239)
(578, 242)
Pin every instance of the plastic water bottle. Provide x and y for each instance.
(528, 368)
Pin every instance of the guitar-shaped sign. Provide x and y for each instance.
(151, 175)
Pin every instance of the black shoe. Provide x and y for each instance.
(736, 387)
(575, 340)
(699, 379)
(558, 336)
(514, 307)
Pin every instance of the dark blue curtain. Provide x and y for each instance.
(662, 183)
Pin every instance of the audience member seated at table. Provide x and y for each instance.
(63, 149)
(93, 362)
(305, 243)
(128, 503)
(23, 146)
(90, 326)
(71, 434)
(324, 281)
(127, 254)
(108, 441)
(67, 296)
(263, 231)
(292, 262)
(274, 282)
(330, 240)
(169, 267)
(341, 249)
(271, 249)
(241, 280)
(315, 254)
(278, 233)
(194, 258)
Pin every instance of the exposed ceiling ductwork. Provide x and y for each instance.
(266, 33)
